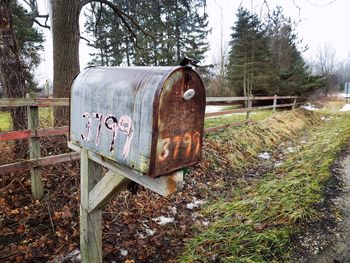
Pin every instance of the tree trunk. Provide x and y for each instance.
(11, 70)
(65, 36)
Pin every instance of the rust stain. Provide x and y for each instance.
(180, 123)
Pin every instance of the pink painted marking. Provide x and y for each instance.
(126, 126)
(112, 126)
(88, 126)
(98, 116)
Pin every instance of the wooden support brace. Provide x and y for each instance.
(164, 185)
(110, 184)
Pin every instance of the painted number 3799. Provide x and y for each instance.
(124, 124)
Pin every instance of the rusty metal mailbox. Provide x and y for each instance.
(147, 118)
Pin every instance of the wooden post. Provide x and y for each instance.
(274, 104)
(95, 193)
(249, 104)
(90, 223)
(34, 153)
(294, 103)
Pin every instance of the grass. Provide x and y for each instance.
(45, 117)
(238, 117)
(237, 148)
(5, 124)
(256, 223)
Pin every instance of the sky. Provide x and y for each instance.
(320, 23)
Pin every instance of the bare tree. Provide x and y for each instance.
(66, 36)
(219, 84)
(326, 65)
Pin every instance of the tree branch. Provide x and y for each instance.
(33, 5)
(121, 14)
(42, 25)
(87, 40)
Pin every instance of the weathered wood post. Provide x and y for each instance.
(249, 106)
(132, 135)
(274, 104)
(295, 102)
(34, 152)
(90, 223)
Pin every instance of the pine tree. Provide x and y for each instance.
(30, 42)
(293, 73)
(179, 28)
(251, 69)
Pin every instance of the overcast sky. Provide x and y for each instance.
(320, 22)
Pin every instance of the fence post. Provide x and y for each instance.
(34, 152)
(294, 102)
(274, 103)
(90, 222)
(249, 106)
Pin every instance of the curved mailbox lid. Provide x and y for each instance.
(180, 122)
(129, 114)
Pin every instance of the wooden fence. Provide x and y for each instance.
(33, 133)
(249, 102)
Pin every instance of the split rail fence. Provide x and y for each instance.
(34, 132)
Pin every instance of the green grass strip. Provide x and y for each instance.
(256, 223)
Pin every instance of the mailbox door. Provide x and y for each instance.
(178, 126)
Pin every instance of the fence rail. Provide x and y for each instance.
(35, 162)
(34, 102)
(214, 100)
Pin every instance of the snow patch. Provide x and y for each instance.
(309, 106)
(123, 252)
(205, 223)
(264, 156)
(173, 210)
(162, 220)
(210, 109)
(277, 164)
(291, 149)
(149, 232)
(195, 203)
(325, 118)
(346, 107)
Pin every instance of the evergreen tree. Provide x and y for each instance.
(264, 58)
(179, 28)
(251, 69)
(294, 78)
(30, 42)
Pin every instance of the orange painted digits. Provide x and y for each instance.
(177, 141)
(188, 140)
(196, 138)
(165, 150)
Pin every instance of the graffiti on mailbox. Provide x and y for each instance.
(124, 125)
(191, 140)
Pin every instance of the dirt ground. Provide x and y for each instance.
(147, 227)
(144, 227)
(328, 238)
